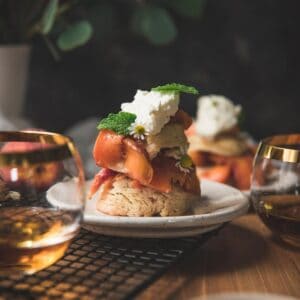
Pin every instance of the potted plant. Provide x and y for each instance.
(20, 23)
(56, 22)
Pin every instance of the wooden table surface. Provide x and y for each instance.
(243, 257)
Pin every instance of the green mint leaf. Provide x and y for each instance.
(176, 88)
(119, 123)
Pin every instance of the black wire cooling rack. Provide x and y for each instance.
(101, 267)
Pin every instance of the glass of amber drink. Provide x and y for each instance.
(275, 189)
(35, 229)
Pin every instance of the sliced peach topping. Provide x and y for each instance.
(216, 173)
(241, 170)
(108, 149)
(166, 173)
(122, 155)
(127, 156)
(233, 169)
(136, 162)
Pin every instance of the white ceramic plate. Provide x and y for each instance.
(219, 203)
(144, 232)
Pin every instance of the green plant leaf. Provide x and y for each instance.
(176, 88)
(118, 123)
(188, 8)
(155, 24)
(75, 35)
(48, 16)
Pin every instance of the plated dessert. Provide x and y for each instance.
(217, 147)
(142, 152)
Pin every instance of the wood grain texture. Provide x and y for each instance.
(243, 257)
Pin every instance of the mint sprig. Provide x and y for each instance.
(176, 88)
(119, 123)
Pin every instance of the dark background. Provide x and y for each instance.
(247, 50)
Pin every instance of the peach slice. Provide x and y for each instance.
(108, 149)
(241, 170)
(136, 163)
(127, 156)
(166, 173)
(219, 173)
(122, 155)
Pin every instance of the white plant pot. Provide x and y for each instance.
(14, 61)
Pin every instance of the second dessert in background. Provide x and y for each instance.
(217, 147)
(142, 151)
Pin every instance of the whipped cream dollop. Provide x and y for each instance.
(215, 115)
(152, 109)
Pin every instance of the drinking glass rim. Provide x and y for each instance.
(64, 147)
(273, 148)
